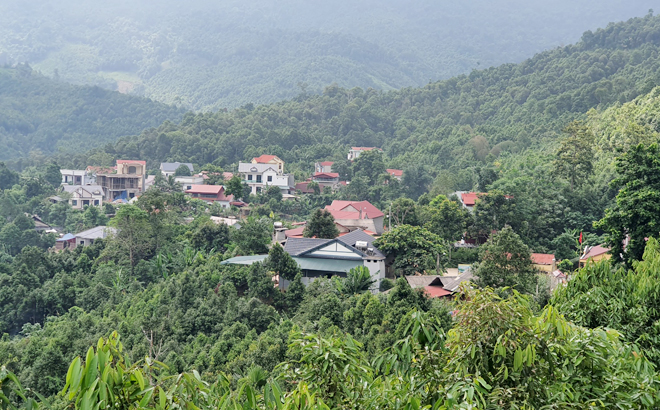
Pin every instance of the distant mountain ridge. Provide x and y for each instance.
(209, 55)
(41, 116)
(448, 125)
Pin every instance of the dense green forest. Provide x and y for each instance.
(40, 116)
(566, 146)
(493, 129)
(211, 55)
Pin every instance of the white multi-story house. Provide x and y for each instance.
(77, 177)
(266, 171)
(84, 195)
(169, 168)
(355, 152)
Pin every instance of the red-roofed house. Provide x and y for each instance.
(355, 152)
(544, 262)
(325, 166)
(211, 193)
(357, 214)
(396, 173)
(469, 199)
(594, 254)
(270, 159)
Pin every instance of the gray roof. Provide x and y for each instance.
(173, 166)
(297, 246)
(249, 167)
(421, 281)
(359, 235)
(453, 285)
(89, 188)
(96, 233)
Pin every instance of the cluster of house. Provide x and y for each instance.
(95, 185)
(358, 222)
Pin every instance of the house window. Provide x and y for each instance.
(82, 243)
(96, 202)
(258, 178)
(132, 170)
(270, 178)
(74, 202)
(249, 177)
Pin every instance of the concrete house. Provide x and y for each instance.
(211, 193)
(325, 166)
(357, 214)
(355, 152)
(326, 179)
(86, 238)
(266, 171)
(77, 177)
(323, 258)
(169, 168)
(594, 254)
(126, 182)
(188, 182)
(84, 195)
(395, 173)
(544, 262)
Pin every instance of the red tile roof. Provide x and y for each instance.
(294, 233)
(302, 186)
(339, 211)
(326, 175)
(469, 198)
(395, 172)
(227, 175)
(264, 159)
(436, 291)
(542, 258)
(131, 161)
(326, 163)
(205, 189)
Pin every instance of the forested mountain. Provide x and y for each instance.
(42, 116)
(447, 125)
(210, 55)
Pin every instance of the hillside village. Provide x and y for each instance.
(358, 223)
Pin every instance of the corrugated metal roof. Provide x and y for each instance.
(315, 264)
(297, 246)
(95, 233)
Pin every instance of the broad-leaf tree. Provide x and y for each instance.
(505, 261)
(321, 225)
(414, 248)
(637, 210)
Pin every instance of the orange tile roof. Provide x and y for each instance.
(326, 174)
(205, 189)
(326, 163)
(395, 172)
(470, 198)
(436, 291)
(542, 258)
(264, 159)
(338, 210)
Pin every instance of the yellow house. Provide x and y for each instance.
(594, 254)
(544, 262)
(269, 159)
